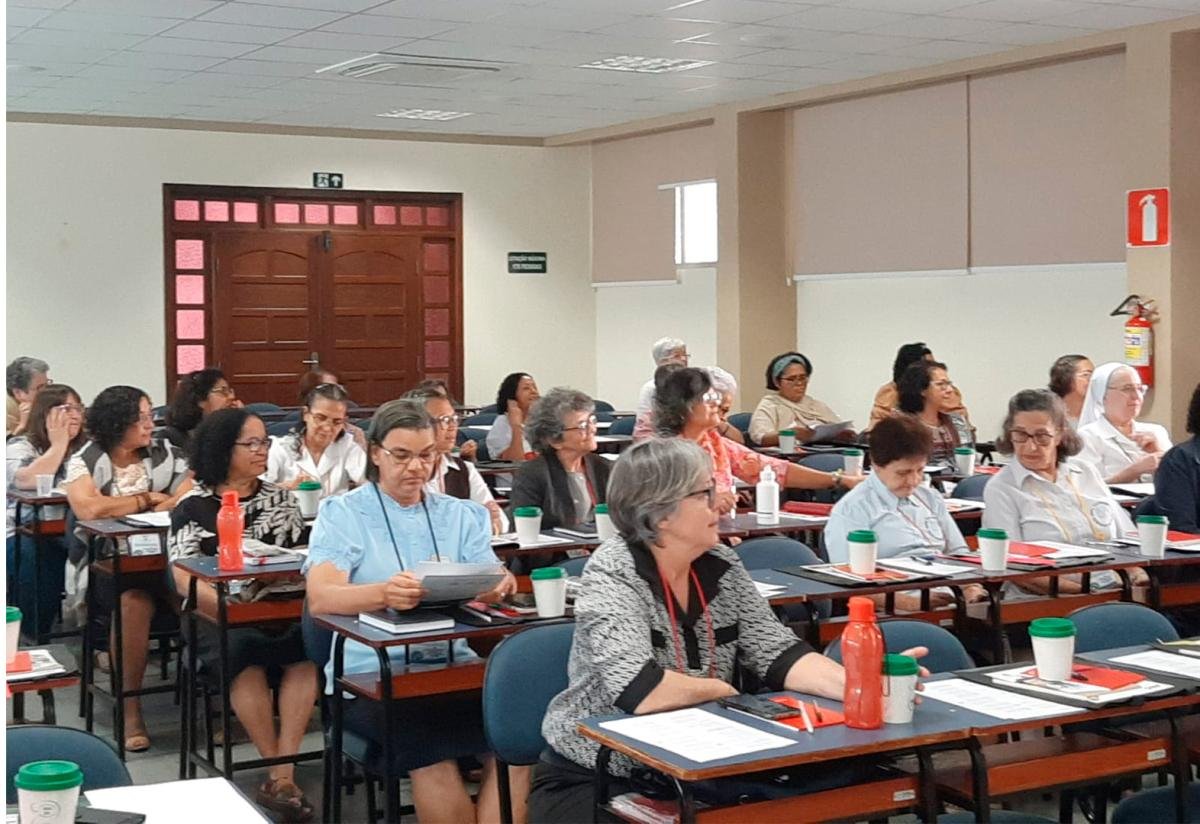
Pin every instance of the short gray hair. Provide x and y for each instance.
(649, 481)
(405, 413)
(722, 381)
(663, 347)
(1041, 400)
(21, 371)
(545, 423)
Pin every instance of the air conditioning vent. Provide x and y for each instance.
(411, 69)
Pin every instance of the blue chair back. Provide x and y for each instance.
(262, 406)
(277, 429)
(741, 421)
(773, 552)
(622, 426)
(972, 488)
(523, 673)
(946, 652)
(491, 407)
(1157, 806)
(1119, 624)
(603, 406)
(574, 566)
(482, 418)
(37, 742)
(318, 641)
(824, 461)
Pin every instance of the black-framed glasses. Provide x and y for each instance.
(583, 427)
(794, 379)
(320, 419)
(448, 420)
(71, 408)
(709, 493)
(1020, 436)
(224, 391)
(403, 457)
(255, 444)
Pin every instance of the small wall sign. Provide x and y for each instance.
(327, 180)
(527, 263)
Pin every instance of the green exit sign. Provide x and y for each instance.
(327, 180)
(527, 263)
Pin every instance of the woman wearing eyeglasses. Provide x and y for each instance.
(229, 453)
(54, 433)
(320, 448)
(362, 554)
(927, 393)
(197, 394)
(454, 474)
(1048, 493)
(687, 405)
(1123, 448)
(787, 404)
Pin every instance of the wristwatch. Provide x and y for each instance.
(837, 478)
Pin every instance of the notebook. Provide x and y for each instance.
(404, 623)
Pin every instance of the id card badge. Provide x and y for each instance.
(140, 545)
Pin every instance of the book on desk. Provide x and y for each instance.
(406, 623)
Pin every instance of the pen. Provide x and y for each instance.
(807, 721)
(764, 720)
(817, 712)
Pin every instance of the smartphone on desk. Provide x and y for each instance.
(95, 815)
(758, 706)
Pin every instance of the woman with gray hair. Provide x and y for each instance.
(665, 350)
(23, 379)
(725, 383)
(362, 553)
(663, 614)
(567, 479)
(1048, 494)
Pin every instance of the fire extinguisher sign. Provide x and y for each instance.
(1147, 217)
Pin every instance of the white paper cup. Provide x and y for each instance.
(48, 792)
(527, 525)
(993, 550)
(604, 525)
(899, 698)
(45, 485)
(12, 633)
(1152, 535)
(309, 500)
(1052, 652)
(852, 461)
(965, 462)
(787, 441)
(550, 593)
(862, 551)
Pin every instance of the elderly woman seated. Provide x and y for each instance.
(364, 548)
(229, 453)
(123, 470)
(725, 383)
(663, 613)
(906, 517)
(197, 395)
(687, 407)
(927, 394)
(1048, 494)
(1120, 446)
(787, 404)
(24, 378)
(320, 448)
(1069, 379)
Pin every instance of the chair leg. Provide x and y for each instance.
(372, 809)
(208, 726)
(505, 788)
(1066, 806)
(326, 785)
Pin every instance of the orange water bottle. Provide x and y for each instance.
(229, 533)
(862, 656)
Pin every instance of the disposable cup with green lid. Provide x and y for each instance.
(1152, 535)
(547, 573)
(993, 549)
(791, 433)
(963, 450)
(1051, 628)
(862, 536)
(308, 495)
(964, 460)
(12, 614)
(1053, 641)
(1152, 519)
(527, 512)
(48, 775)
(852, 451)
(48, 791)
(861, 549)
(528, 522)
(601, 509)
(899, 688)
(787, 440)
(605, 529)
(996, 534)
(549, 591)
(309, 485)
(12, 635)
(900, 665)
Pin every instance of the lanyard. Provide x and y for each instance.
(1097, 533)
(669, 598)
(929, 541)
(388, 523)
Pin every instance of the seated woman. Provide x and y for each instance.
(319, 448)
(313, 378)
(123, 470)
(887, 397)
(663, 614)
(53, 434)
(1121, 447)
(906, 517)
(507, 441)
(229, 453)
(1069, 379)
(686, 407)
(361, 556)
(197, 394)
(1048, 494)
(451, 475)
(643, 425)
(787, 404)
(567, 478)
(927, 394)
(726, 384)
(1177, 482)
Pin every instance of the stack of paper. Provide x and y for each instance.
(1081, 688)
(697, 735)
(769, 590)
(991, 701)
(446, 581)
(151, 519)
(42, 665)
(963, 505)
(1167, 663)
(921, 566)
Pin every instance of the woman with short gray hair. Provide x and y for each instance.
(663, 613)
(567, 479)
(24, 378)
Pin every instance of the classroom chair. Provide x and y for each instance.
(38, 742)
(741, 421)
(774, 552)
(946, 652)
(622, 426)
(1119, 624)
(972, 488)
(603, 406)
(1157, 806)
(523, 673)
(277, 429)
(573, 566)
(491, 407)
(479, 418)
(261, 407)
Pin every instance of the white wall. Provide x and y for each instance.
(998, 331)
(85, 277)
(629, 319)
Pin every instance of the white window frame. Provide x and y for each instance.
(681, 223)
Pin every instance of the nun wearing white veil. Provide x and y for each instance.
(1120, 446)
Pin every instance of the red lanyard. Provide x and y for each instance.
(900, 511)
(587, 479)
(669, 598)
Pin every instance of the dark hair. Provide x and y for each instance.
(1193, 415)
(898, 437)
(427, 390)
(1062, 374)
(311, 379)
(405, 413)
(914, 382)
(673, 400)
(193, 388)
(508, 390)
(772, 382)
(54, 395)
(330, 392)
(1041, 400)
(436, 384)
(661, 373)
(111, 414)
(906, 356)
(211, 448)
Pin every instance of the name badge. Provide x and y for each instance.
(1102, 513)
(145, 545)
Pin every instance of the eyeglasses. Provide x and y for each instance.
(321, 419)
(709, 493)
(145, 417)
(70, 408)
(224, 391)
(583, 427)
(403, 457)
(448, 420)
(794, 379)
(255, 444)
(712, 397)
(1019, 436)
(943, 385)
(1130, 389)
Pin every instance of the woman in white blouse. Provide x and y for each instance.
(506, 439)
(1048, 494)
(320, 448)
(1121, 447)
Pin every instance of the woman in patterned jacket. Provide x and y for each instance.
(229, 452)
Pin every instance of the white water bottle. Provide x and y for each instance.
(766, 497)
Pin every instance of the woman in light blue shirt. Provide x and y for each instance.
(906, 517)
(363, 549)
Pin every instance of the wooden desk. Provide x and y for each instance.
(39, 528)
(45, 686)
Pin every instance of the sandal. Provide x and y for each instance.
(281, 796)
(137, 742)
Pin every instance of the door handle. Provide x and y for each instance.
(313, 359)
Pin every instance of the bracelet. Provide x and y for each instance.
(143, 501)
(837, 478)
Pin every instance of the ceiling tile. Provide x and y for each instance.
(946, 49)
(83, 39)
(732, 11)
(201, 48)
(230, 33)
(133, 73)
(383, 25)
(1112, 17)
(1026, 34)
(1017, 11)
(935, 27)
(280, 17)
(501, 35)
(261, 67)
(662, 27)
(866, 43)
(909, 6)
(361, 43)
(791, 58)
(813, 76)
(768, 37)
(179, 9)
(572, 19)
(878, 63)
(39, 4)
(71, 20)
(1182, 5)
(838, 18)
(152, 60)
(18, 16)
(347, 6)
(466, 11)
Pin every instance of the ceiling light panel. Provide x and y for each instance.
(645, 65)
(424, 114)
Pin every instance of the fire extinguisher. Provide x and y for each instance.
(1139, 335)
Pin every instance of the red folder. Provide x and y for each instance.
(1175, 535)
(820, 716)
(1109, 679)
(807, 508)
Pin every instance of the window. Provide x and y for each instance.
(695, 223)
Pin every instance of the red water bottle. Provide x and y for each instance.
(862, 656)
(229, 533)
